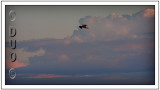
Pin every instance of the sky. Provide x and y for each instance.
(39, 22)
(118, 48)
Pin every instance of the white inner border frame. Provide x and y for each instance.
(156, 86)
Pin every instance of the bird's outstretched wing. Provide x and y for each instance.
(84, 25)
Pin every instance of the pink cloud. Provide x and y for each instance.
(22, 58)
(78, 39)
(149, 13)
(57, 76)
(63, 57)
(67, 41)
(15, 64)
(47, 76)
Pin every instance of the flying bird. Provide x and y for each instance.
(83, 26)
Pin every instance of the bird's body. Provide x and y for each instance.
(83, 26)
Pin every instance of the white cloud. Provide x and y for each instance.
(115, 26)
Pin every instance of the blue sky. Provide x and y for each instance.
(117, 49)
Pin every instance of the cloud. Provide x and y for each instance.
(112, 44)
(16, 64)
(56, 76)
(84, 75)
(148, 13)
(115, 78)
(129, 46)
(115, 26)
(47, 76)
(63, 57)
(22, 57)
(93, 57)
(67, 42)
(77, 39)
